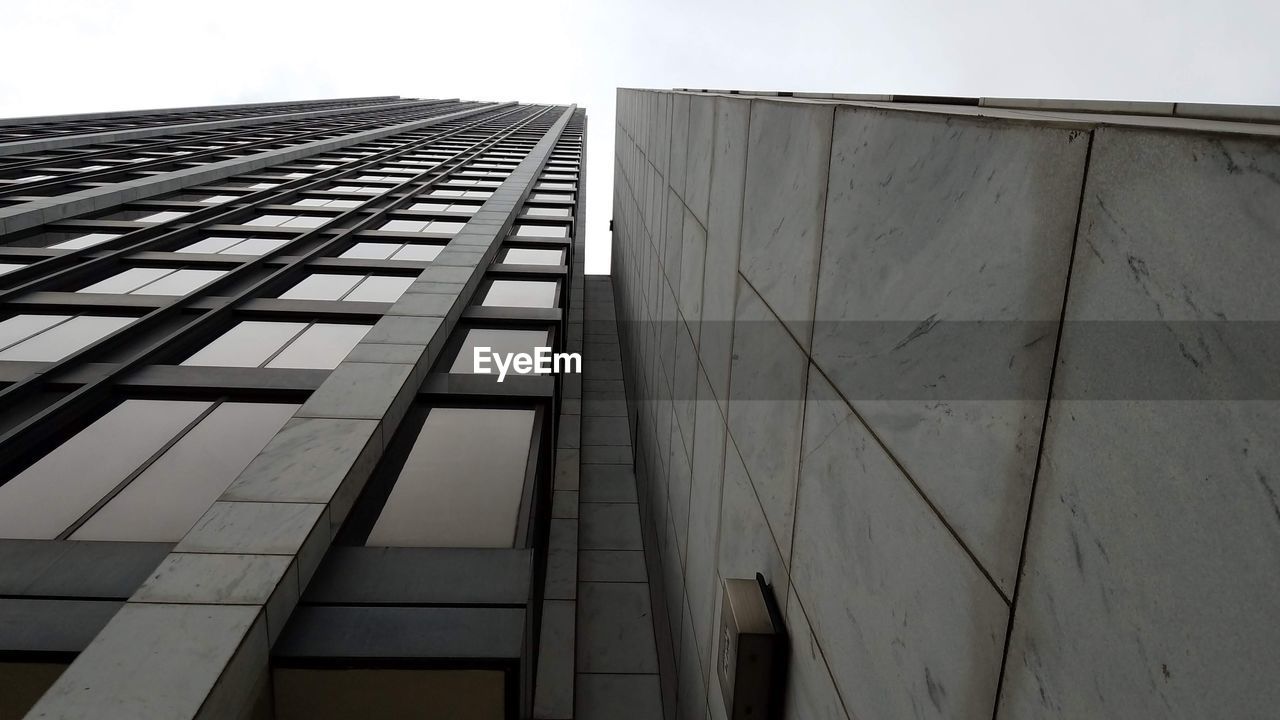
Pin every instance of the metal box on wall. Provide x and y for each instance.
(750, 662)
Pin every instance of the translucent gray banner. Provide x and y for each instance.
(972, 360)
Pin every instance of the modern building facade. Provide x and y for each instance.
(985, 389)
(248, 468)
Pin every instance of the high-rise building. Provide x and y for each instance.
(985, 389)
(248, 465)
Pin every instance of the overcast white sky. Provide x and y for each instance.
(60, 56)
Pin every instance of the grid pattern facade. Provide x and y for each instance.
(260, 321)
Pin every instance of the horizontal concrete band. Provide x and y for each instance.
(1205, 111)
(28, 215)
(194, 641)
(111, 136)
(1196, 117)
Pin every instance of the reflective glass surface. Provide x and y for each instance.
(500, 341)
(321, 346)
(234, 246)
(180, 282)
(167, 498)
(521, 293)
(545, 231)
(248, 344)
(321, 286)
(417, 252)
(85, 241)
(57, 489)
(254, 246)
(404, 225)
(533, 256)
(161, 216)
(21, 327)
(65, 338)
(462, 483)
(444, 226)
(371, 250)
(127, 281)
(380, 288)
(211, 245)
(547, 211)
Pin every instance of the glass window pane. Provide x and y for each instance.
(129, 280)
(371, 251)
(211, 245)
(521, 293)
(380, 288)
(47, 497)
(60, 341)
(532, 256)
(444, 226)
(85, 241)
(403, 226)
(268, 220)
(498, 340)
(545, 231)
(322, 346)
(10, 267)
(248, 344)
(547, 211)
(163, 502)
(418, 252)
(21, 327)
(321, 286)
(161, 216)
(429, 206)
(180, 282)
(254, 246)
(462, 483)
(307, 221)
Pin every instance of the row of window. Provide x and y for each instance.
(281, 138)
(148, 469)
(64, 127)
(159, 464)
(298, 221)
(181, 281)
(277, 344)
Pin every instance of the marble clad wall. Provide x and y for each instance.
(847, 370)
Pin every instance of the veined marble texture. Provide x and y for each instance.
(1153, 556)
(944, 262)
(910, 626)
(788, 152)
(724, 224)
